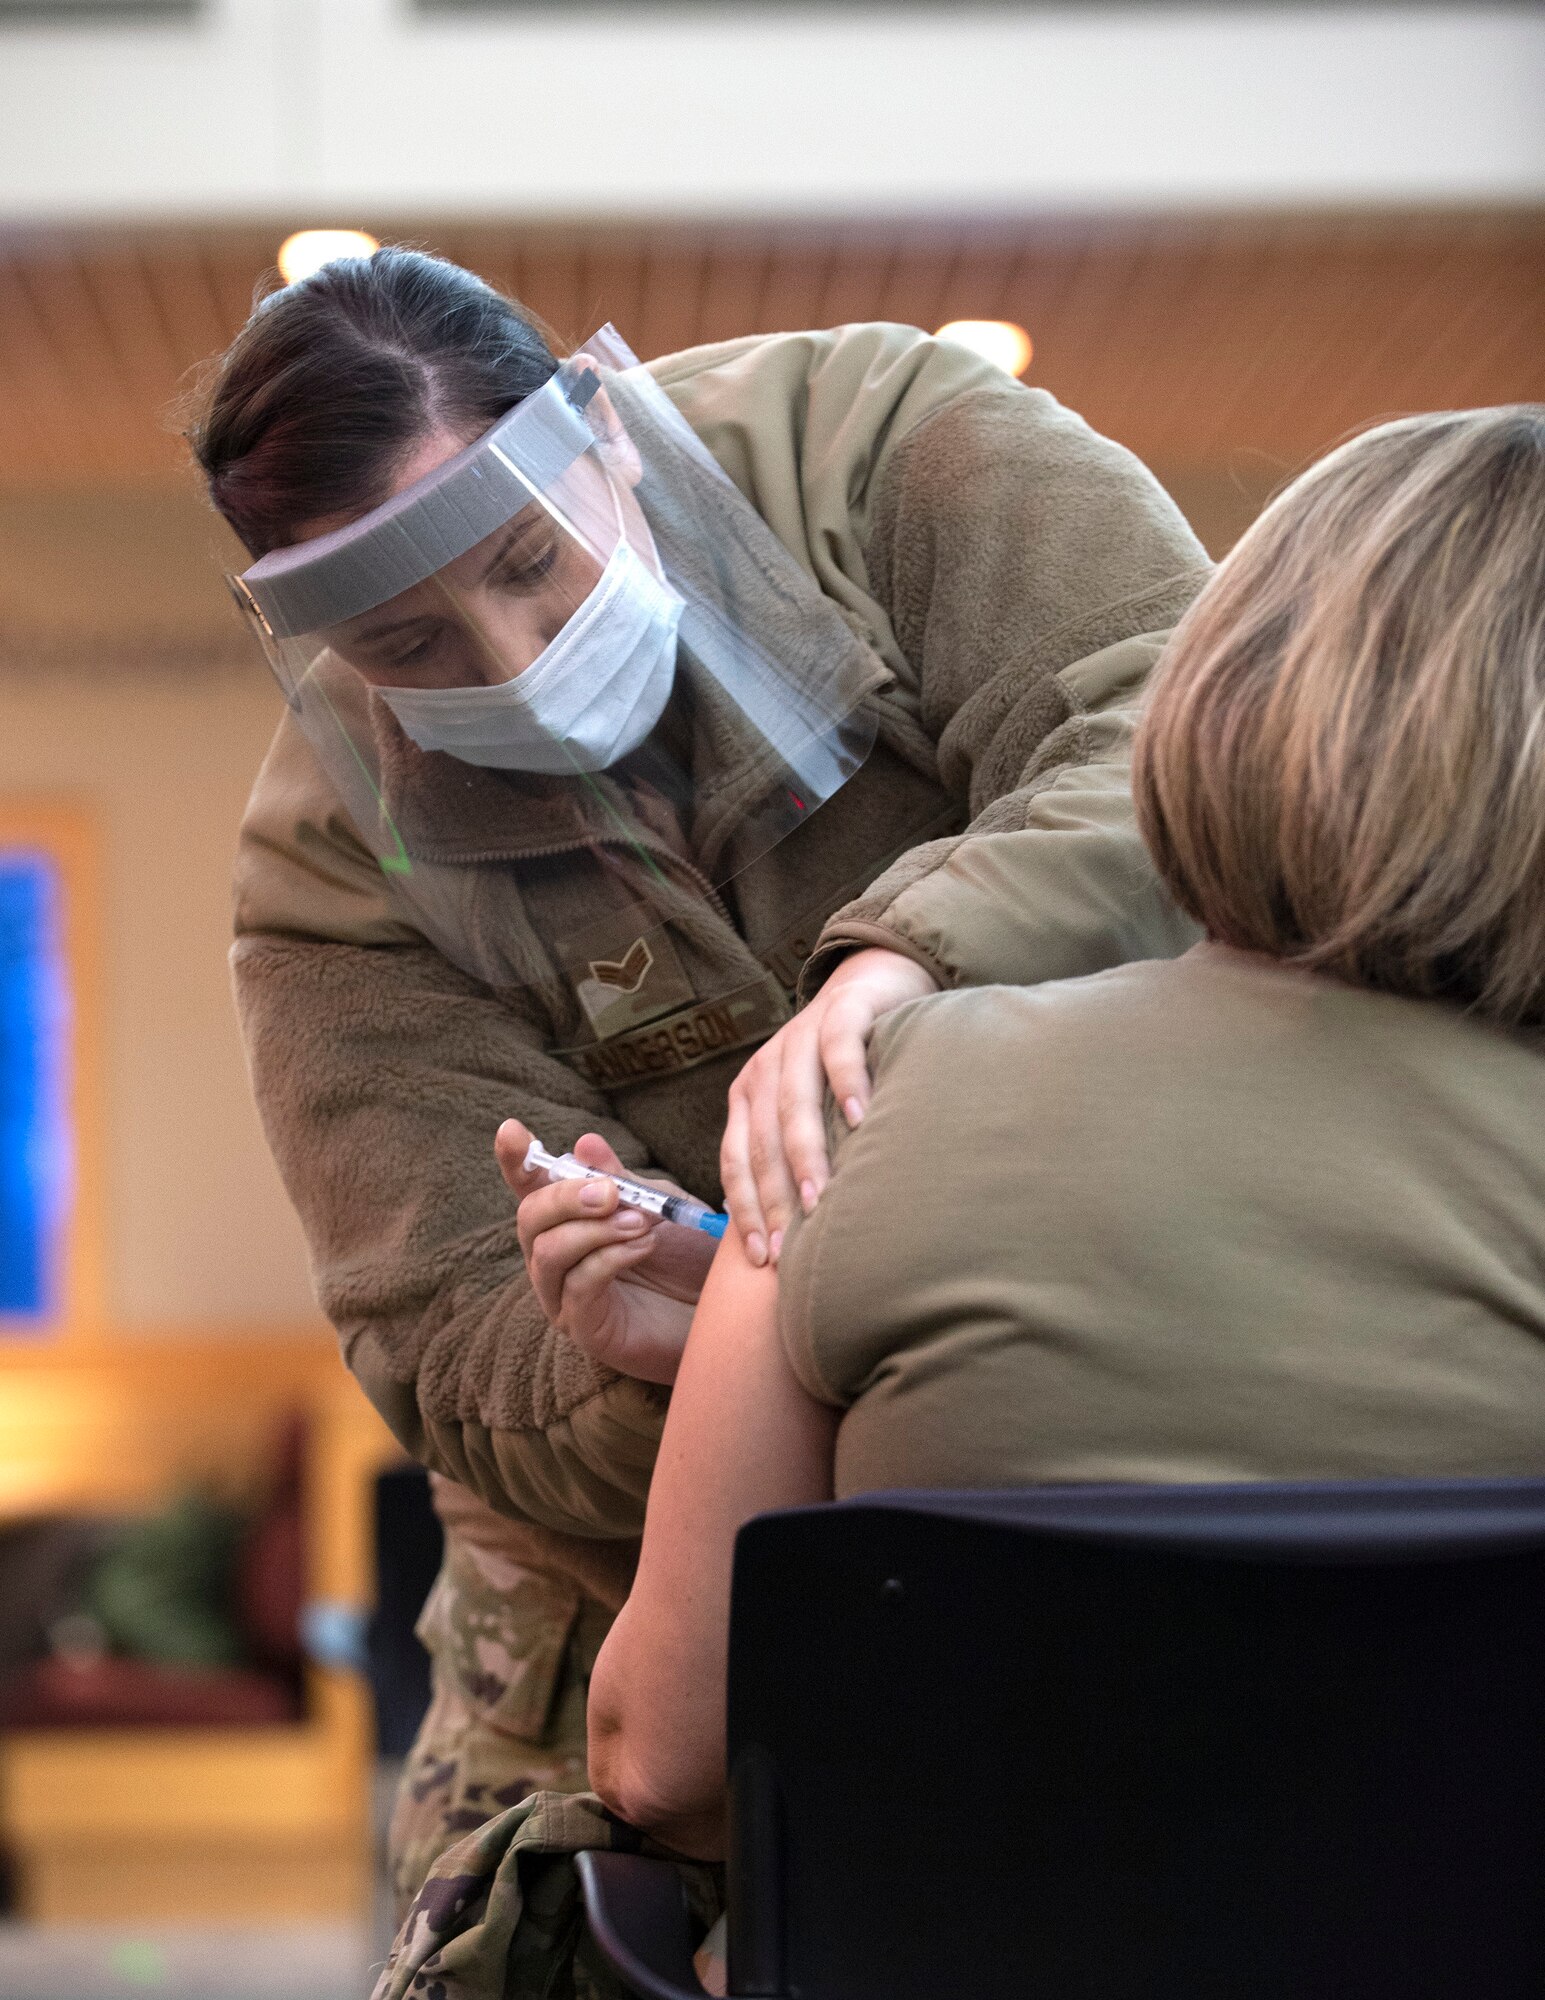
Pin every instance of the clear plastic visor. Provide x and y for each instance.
(573, 639)
(482, 619)
(491, 611)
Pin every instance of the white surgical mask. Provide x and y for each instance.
(585, 701)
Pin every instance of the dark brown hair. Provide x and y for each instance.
(1342, 762)
(334, 379)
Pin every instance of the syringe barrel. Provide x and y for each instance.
(678, 1208)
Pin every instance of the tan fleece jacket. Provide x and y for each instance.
(1002, 562)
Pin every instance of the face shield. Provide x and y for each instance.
(573, 639)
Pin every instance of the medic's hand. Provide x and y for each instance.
(774, 1153)
(620, 1284)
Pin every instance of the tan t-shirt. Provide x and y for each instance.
(1203, 1219)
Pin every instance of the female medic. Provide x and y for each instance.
(628, 708)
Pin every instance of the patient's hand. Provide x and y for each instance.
(621, 1285)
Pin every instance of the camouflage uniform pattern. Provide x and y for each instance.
(501, 1916)
(512, 1652)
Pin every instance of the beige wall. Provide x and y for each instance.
(198, 1230)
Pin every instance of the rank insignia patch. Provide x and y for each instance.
(630, 974)
(625, 972)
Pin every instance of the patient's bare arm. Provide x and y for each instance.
(742, 1436)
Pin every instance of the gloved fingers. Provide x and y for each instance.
(591, 1311)
(551, 1204)
(558, 1239)
(510, 1144)
(512, 1140)
(594, 1151)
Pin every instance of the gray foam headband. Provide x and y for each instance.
(439, 517)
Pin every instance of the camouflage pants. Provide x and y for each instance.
(500, 1916)
(512, 1652)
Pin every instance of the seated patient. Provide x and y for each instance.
(1273, 1210)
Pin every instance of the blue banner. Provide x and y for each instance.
(34, 1086)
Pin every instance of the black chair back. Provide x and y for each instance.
(1269, 1743)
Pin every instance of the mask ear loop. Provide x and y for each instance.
(580, 396)
(617, 456)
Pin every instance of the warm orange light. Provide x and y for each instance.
(309, 249)
(1000, 341)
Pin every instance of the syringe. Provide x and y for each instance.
(678, 1208)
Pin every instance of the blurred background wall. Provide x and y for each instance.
(1233, 233)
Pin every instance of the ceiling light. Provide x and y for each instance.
(1000, 341)
(309, 249)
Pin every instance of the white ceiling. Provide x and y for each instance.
(334, 107)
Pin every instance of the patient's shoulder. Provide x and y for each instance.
(1120, 1016)
(1178, 1051)
(1212, 1005)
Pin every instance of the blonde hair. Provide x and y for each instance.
(1342, 762)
